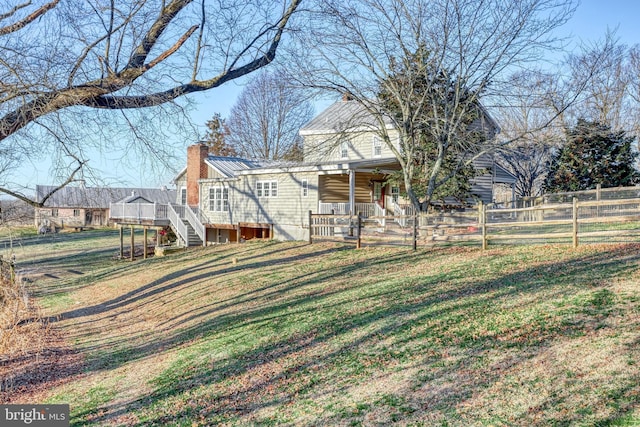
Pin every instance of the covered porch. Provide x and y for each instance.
(358, 186)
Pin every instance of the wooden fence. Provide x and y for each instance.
(591, 221)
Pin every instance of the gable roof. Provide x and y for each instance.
(100, 197)
(351, 115)
(340, 116)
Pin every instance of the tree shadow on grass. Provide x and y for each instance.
(319, 358)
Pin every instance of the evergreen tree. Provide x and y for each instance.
(217, 132)
(422, 100)
(593, 154)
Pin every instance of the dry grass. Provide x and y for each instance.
(325, 335)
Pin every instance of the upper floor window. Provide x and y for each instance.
(267, 188)
(377, 146)
(344, 150)
(305, 188)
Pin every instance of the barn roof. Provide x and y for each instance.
(100, 197)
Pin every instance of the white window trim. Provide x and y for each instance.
(376, 143)
(266, 189)
(183, 196)
(218, 199)
(305, 188)
(344, 150)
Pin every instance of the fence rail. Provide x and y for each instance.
(605, 220)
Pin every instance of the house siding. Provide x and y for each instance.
(288, 212)
(323, 148)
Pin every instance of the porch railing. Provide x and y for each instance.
(365, 209)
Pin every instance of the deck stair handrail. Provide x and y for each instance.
(399, 212)
(193, 218)
(175, 214)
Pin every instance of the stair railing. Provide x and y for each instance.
(176, 221)
(192, 217)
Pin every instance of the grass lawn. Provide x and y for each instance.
(270, 333)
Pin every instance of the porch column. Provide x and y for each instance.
(352, 192)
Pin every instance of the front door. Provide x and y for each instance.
(378, 193)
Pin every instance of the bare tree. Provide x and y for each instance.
(609, 96)
(360, 46)
(532, 128)
(64, 62)
(267, 116)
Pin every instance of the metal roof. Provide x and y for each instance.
(100, 197)
(229, 166)
(341, 116)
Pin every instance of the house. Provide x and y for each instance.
(345, 170)
(89, 206)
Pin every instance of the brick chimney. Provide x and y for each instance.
(196, 169)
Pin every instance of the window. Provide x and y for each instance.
(54, 212)
(218, 199)
(377, 146)
(267, 188)
(76, 212)
(183, 196)
(344, 150)
(305, 188)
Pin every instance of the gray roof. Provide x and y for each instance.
(229, 166)
(341, 116)
(350, 115)
(100, 197)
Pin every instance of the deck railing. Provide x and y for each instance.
(138, 211)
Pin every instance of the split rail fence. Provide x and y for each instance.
(576, 222)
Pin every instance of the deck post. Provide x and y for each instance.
(121, 241)
(144, 256)
(132, 245)
(238, 233)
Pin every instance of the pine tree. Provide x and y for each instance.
(434, 113)
(217, 133)
(593, 154)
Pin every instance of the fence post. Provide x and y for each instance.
(12, 269)
(483, 224)
(310, 228)
(121, 241)
(359, 241)
(415, 230)
(133, 255)
(575, 222)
